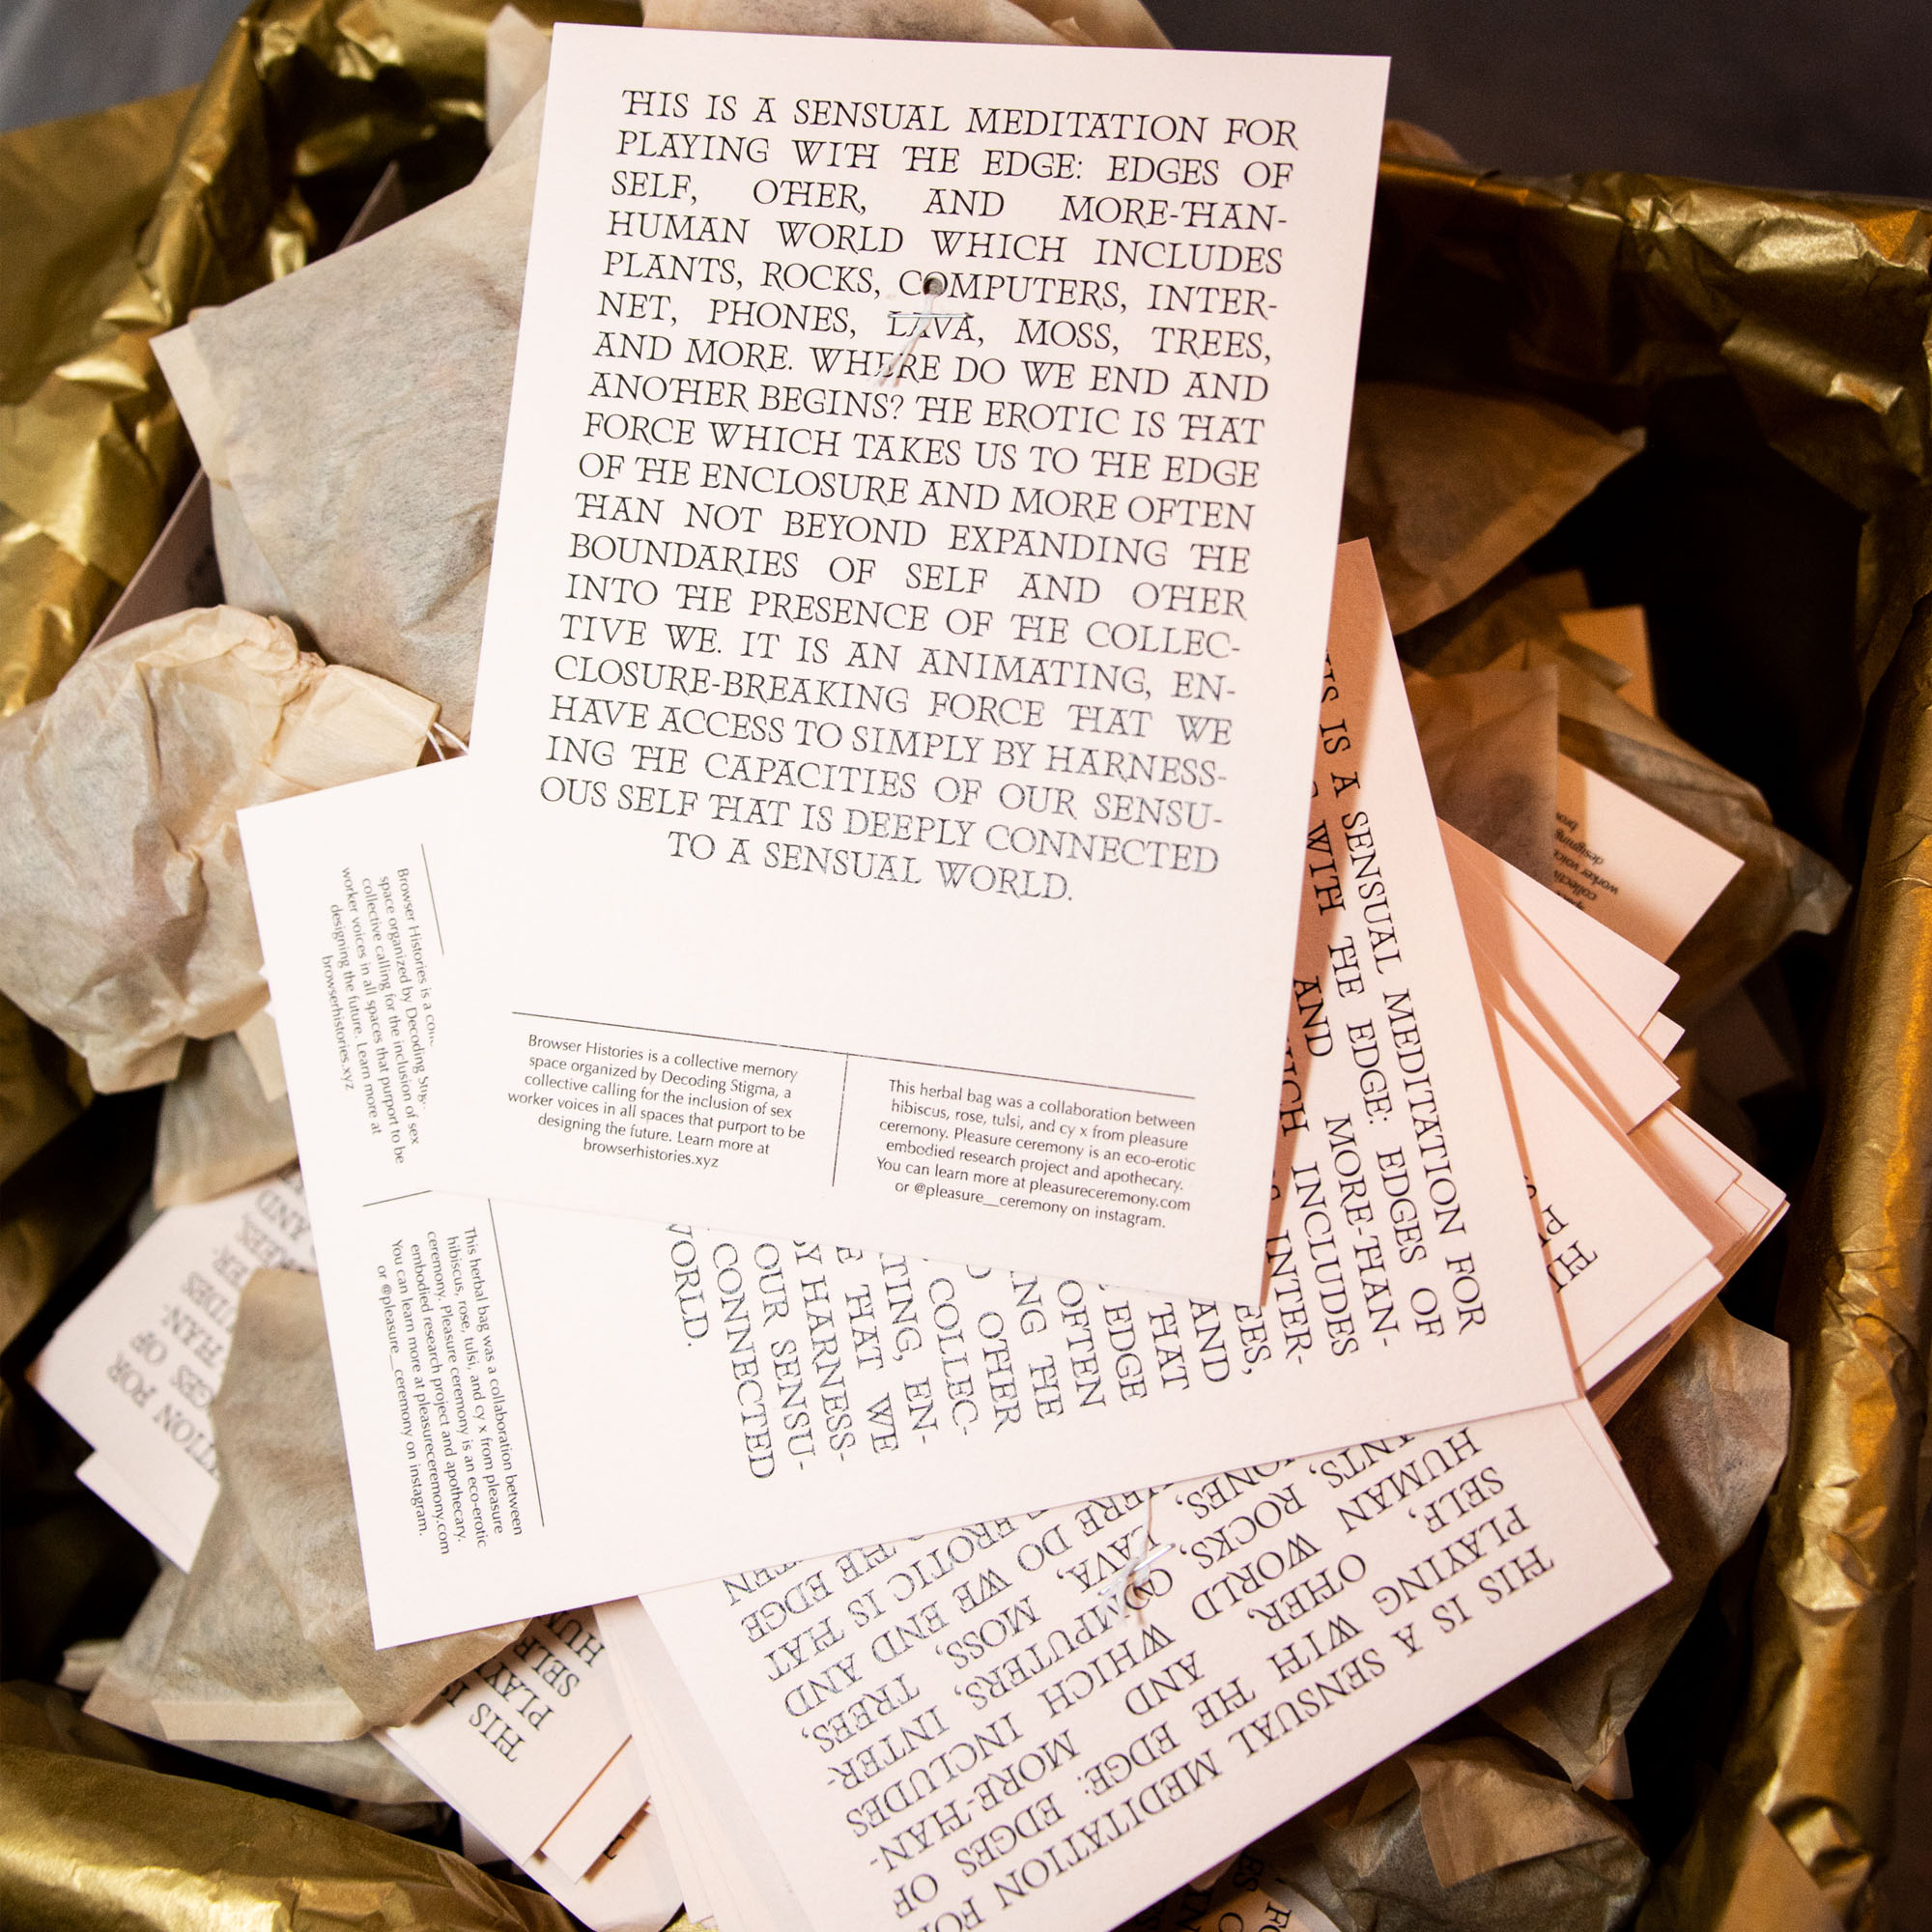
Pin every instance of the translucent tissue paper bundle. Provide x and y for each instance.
(355, 1767)
(129, 927)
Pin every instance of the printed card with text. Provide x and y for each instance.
(903, 643)
(1047, 1720)
(135, 1366)
(500, 1365)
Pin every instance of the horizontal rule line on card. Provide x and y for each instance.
(389, 1200)
(885, 1059)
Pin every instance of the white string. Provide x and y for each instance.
(440, 734)
(934, 286)
(1131, 1585)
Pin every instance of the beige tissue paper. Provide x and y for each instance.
(1509, 609)
(233, 1665)
(129, 926)
(1482, 1806)
(270, 1641)
(1450, 1836)
(357, 411)
(1702, 1442)
(516, 64)
(354, 1768)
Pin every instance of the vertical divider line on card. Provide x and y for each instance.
(510, 1322)
(433, 913)
(838, 1131)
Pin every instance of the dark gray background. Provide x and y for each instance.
(1773, 93)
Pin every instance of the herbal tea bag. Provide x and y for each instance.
(234, 1665)
(354, 1768)
(218, 1129)
(271, 1640)
(1489, 743)
(357, 411)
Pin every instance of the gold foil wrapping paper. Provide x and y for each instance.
(1593, 294)
(42, 1087)
(92, 1846)
(1818, 1743)
(114, 225)
(1597, 292)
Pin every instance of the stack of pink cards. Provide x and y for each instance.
(1644, 1214)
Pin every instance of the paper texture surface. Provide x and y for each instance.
(851, 627)
(1631, 982)
(525, 1734)
(129, 926)
(357, 412)
(1612, 1241)
(519, 1743)
(220, 1129)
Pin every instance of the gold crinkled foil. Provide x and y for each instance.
(114, 225)
(1596, 292)
(59, 1203)
(1818, 1743)
(90, 1846)
(42, 1087)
